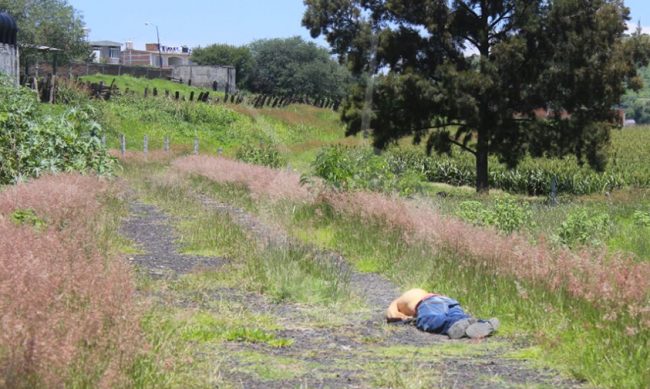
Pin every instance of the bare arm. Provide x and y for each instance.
(393, 313)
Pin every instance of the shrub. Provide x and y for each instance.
(582, 228)
(641, 218)
(265, 155)
(506, 215)
(360, 168)
(32, 143)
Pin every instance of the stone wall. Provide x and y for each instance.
(9, 60)
(205, 76)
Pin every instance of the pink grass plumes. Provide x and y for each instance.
(275, 184)
(618, 282)
(67, 310)
(605, 281)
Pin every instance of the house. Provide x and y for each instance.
(106, 52)
(151, 56)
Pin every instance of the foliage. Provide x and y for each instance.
(582, 227)
(506, 215)
(69, 92)
(264, 154)
(360, 168)
(292, 66)
(567, 56)
(27, 216)
(641, 218)
(53, 23)
(350, 167)
(223, 54)
(32, 143)
(182, 121)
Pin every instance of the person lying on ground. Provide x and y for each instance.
(438, 314)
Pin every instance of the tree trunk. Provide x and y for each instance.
(482, 183)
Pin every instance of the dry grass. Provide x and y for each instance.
(617, 283)
(275, 184)
(611, 282)
(68, 315)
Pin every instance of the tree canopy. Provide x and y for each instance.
(292, 66)
(222, 54)
(52, 23)
(478, 73)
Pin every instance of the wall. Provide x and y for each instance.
(9, 60)
(84, 69)
(205, 75)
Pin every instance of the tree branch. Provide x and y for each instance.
(462, 146)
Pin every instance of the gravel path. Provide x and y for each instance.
(349, 353)
(152, 231)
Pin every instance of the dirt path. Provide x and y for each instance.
(327, 351)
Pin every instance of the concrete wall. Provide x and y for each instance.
(84, 69)
(9, 61)
(205, 75)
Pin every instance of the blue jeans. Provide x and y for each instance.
(436, 314)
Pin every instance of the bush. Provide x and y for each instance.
(360, 168)
(582, 228)
(265, 155)
(641, 218)
(32, 143)
(506, 215)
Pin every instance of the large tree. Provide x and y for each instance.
(52, 23)
(476, 73)
(223, 54)
(292, 66)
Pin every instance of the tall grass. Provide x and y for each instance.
(587, 309)
(68, 313)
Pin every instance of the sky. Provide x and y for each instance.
(202, 22)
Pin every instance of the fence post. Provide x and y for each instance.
(166, 144)
(123, 144)
(196, 146)
(554, 190)
(104, 140)
(145, 145)
(220, 151)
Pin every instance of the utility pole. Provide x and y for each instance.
(158, 39)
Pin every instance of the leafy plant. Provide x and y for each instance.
(506, 215)
(266, 155)
(641, 218)
(581, 227)
(27, 216)
(360, 168)
(33, 143)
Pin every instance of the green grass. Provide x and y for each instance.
(138, 85)
(573, 335)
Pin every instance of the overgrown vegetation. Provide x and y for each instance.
(492, 275)
(34, 142)
(360, 168)
(69, 315)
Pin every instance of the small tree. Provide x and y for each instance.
(476, 73)
(52, 23)
(294, 67)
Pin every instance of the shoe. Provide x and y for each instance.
(457, 330)
(482, 328)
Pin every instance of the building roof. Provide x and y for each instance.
(106, 44)
(8, 29)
